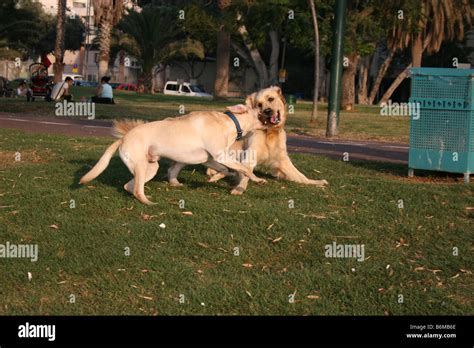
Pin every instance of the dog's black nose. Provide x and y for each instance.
(268, 111)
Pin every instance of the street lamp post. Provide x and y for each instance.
(336, 68)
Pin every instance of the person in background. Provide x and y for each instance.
(104, 93)
(61, 90)
(24, 91)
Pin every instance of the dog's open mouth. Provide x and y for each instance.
(272, 119)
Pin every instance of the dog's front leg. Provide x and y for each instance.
(285, 169)
(240, 168)
(173, 172)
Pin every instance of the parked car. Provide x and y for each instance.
(185, 89)
(114, 85)
(86, 83)
(127, 87)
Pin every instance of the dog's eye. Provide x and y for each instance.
(271, 99)
(259, 105)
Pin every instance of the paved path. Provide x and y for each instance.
(362, 150)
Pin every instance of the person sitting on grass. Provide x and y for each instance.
(61, 91)
(104, 93)
(24, 91)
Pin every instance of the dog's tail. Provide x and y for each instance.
(120, 128)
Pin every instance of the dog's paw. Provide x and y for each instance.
(261, 181)
(319, 183)
(211, 172)
(216, 177)
(175, 184)
(238, 191)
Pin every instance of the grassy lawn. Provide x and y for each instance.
(281, 250)
(365, 123)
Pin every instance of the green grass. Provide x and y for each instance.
(194, 254)
(365, 123)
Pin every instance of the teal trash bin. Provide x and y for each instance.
(442, 133)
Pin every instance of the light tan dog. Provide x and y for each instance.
(196, 138)
(268, 145)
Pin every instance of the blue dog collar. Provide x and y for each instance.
(237, 124)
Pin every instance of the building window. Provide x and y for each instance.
(79, 4)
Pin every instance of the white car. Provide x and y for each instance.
(185, 89)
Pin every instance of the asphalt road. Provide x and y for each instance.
(360, 150)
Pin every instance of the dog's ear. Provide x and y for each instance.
(238, 109)
(250, 100)
(277, 89)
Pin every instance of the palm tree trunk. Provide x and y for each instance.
(395, 84)
(348, 83)
(362, 94)
(274, 57)
(104, 45)
(58, 66)
(314, 112)
(417, 51)
(378, 81)
(121, 76)
(221, 82)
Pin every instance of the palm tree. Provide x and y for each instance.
(428, 25)
(314, 113)
(58, 65)
(221, 82)
(150, 37)
(107, 13)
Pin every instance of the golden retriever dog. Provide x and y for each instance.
(196, 138)
(268, 145)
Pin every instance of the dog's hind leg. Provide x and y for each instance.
(151, 170)
(173, 172)
(141, 172)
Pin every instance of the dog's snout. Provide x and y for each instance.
(268, 112)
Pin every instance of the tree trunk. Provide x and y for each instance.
(348, 83)
(221, 82)
(274, 57)
(121, 76)
(362, 94)
(395, 85)
(104, 45)
(255, 55)
(58, 66)
(381, 73)
(417, 51)
(314, 112)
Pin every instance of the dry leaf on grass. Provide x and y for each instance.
(146, 297)
(276, 240)
(56, 227)
(247, 265)
(187, 213)
(313, 297)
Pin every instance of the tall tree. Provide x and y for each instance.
(314, 113)
(58, 65)
(423, 26)
(221, 81)
(152, 37)
(107, 13)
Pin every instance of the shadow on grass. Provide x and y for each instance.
(401, 171)
(117, 174)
